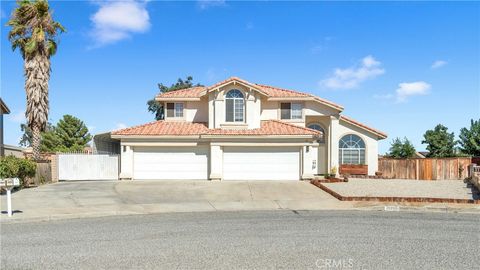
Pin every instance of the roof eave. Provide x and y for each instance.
(177, 98)
(209, 136)
(136, 136)
(333, 106)
(237, 81)
(3, 107)
(380, 135)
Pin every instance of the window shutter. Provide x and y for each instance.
(285, 110)
(170, 109)
(229, 110)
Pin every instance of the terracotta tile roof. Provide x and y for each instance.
(270, 91)
(268, 127)
(163, 128)
(280, 92)
(193, 92)
(356, 123)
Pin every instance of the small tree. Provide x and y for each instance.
(470, 139)
(26, 139)
(439, 142)
(401, 149)
(72, 133)
(157, 108)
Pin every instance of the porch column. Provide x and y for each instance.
(126, 162)
(309, 154)
(333, 143)
(216, 162)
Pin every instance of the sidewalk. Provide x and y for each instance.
(94, 199)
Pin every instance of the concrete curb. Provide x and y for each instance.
(234, 207)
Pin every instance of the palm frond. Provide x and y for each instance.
(51, 47)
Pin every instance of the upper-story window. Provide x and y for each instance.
(175, 110)
(319, 128)
(235, 106)
(291, 111)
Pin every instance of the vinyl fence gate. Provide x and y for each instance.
(88, 166)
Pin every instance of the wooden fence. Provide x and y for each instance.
(425, 168)
(43, 174)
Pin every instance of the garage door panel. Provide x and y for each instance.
(261, 163)
(165, 163)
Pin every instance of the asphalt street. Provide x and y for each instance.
(247, 240)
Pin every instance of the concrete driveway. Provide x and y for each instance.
(101, 198)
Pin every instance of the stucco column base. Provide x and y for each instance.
(215, 177)
(125, 176)
(307, 176)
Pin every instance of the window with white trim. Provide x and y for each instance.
(234, 106)
(290, 110)
(175, 110)
(319, 128)
(351, 150)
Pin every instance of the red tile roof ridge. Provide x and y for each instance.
(137, 126)
(303, 94)
(378, 132)
(283, 89)
(182, 90)
(292, 125)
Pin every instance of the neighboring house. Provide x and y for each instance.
(11, 150)
(237, 130)
(3, 110)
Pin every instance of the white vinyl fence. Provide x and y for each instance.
(87, 167)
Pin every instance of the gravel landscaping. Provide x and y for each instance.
(448, 189)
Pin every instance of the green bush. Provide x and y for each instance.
(13, 167)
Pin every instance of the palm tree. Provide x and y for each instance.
(34, 31)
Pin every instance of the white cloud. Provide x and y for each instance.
(406, 90)
(351, 77)
(115, 21)
(120, 126)
(205, 4)
(438, 64)
(17, 117)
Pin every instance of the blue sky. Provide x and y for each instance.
(401, 67)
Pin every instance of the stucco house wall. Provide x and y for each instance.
(262, 140)
(371, 144)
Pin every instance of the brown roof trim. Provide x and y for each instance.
(236, 79)
(3, 107)
(380, 134)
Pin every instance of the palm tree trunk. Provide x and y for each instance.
(37, 75)
(36, 140)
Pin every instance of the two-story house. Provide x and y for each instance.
(237, 130)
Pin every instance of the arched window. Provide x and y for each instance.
(234, 106)
(351, 150)
(317, 127)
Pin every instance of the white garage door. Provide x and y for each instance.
(261, 163)
(170, 163)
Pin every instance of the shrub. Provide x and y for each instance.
(13, 167)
